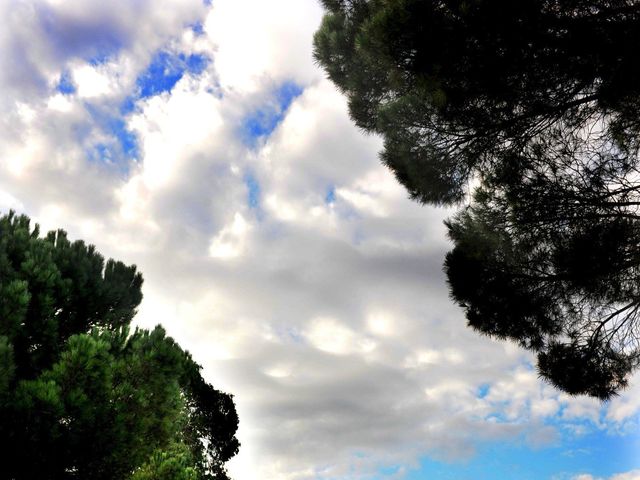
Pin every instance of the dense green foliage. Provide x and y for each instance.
(82, 397)
(537, 105)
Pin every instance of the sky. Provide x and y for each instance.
(200, 141)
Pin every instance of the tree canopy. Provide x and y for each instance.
(81, 396)
(529, 112)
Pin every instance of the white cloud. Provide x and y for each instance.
(273, 39)
(230, 242)
(91, 82)
(329, 335)
(40, 39)
(174, 128)
(625, 407)
(632, 475)
(9, 202)
(60, 103)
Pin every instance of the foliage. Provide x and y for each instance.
(173, 463)
(81, 396)
(450, 84)
(536, 104)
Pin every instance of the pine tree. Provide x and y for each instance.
(81, 396)
(529, 112)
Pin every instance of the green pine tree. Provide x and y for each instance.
(80, 395)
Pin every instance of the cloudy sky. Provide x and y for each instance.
(201, 142)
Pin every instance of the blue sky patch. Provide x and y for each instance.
(264, 120)
(124, 146)
(126, 139)
(166, 69)
(568, 458)
(253, 190)
(392, 471)
(287, 93)
(483, 390)
(198, 28)
(120, 152)
(128, 105)
(65, 84)
(101, 153)
(330, 197)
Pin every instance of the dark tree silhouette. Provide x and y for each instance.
(537, 105)
(81, 396)
(451, 84)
